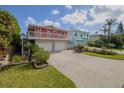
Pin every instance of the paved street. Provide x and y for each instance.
(89, 71)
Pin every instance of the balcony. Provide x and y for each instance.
(46, 35)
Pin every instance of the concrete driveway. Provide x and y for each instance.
(89, 71)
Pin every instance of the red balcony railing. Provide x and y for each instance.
(45, 35)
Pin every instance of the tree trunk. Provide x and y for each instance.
(109, 31)
(29, 55)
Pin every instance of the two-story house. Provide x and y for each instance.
(48, 37)
(54, 39)
(78, 37)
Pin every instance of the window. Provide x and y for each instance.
(75, 34)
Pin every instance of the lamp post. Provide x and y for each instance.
(22, 49)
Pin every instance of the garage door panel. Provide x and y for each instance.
(59, 46)
(47, 45)
(52, 45)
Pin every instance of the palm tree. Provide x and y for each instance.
(104, 30)
(120, 28)
(110, 23)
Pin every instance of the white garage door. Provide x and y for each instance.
(47, 45)
(60, 45)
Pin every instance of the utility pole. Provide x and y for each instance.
(22, 45)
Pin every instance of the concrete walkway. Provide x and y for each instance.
(89, 71)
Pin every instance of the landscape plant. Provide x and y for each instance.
(111, 38)
(16, 59)
(37, 55)
(85, 49)
(117, 57)
(99, 43)
(40, 55)
(103, 51)
(79, 48)
(107, 52)
(91, 43)
(9, 30)
(109, 23)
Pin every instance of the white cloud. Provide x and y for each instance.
(100, 13)
(89, 16)
(84, 11)
(30, 20)
(95, 15)
(86, 30)
(55, 12)
(48, 22)
(77, 17)
(121, 17)
(68, 6)
(81, 28)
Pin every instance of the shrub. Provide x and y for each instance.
(95, 50)
(85, 49)
(32, 46)
(79, 48)
(99, 43)
(107, 52)
(92, 44)
(111, 45)
(40, 55)
(117, 40)
(112, 53)
(16, 59)
(104, 51)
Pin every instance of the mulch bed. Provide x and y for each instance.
(12, 64)
(39, 65)
(34, 64)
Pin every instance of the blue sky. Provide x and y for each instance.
(88, 18)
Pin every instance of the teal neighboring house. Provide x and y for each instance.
(78, 37)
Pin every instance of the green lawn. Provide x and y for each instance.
(118, 57)
(24, 76)
(118, 49)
